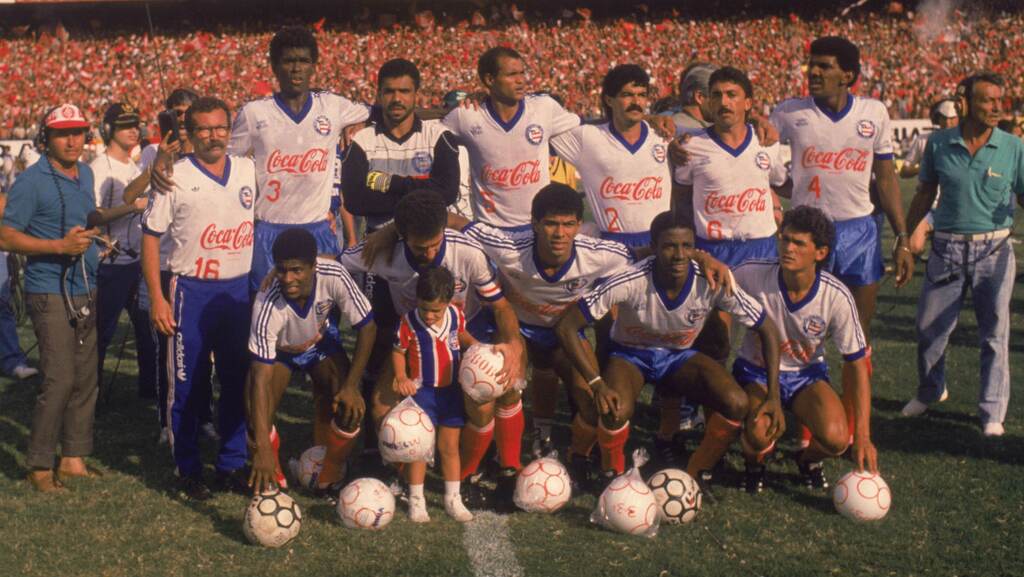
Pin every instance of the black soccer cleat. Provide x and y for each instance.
(704, 479)
(505, 489)
(475, 496)
(667, 453)
(192, 488)
(812, 475)
(540, 445)
(233, 482)
(753, 478)
(331, 493)
(579, 474)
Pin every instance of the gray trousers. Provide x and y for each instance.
(66, 404)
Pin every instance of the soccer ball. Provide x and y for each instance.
(406, 435)
(307, 468)
(272, 519)
(861, 496)
(629, 505)
(678, 495)
(366, 503)
(543, 486)
(478, 373)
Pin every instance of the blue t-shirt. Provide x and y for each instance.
(34, 208)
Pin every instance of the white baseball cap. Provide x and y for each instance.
(66, 116)
(947, 109)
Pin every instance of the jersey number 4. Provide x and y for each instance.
(815, 187)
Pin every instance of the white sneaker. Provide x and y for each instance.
(165, 436)
(418, 510)
(993, 430)
(210, 431)
(455, 509)
(22, 372)
(694, 420)
(915, 407)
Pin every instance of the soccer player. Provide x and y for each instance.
(664, 301)
(209, 215)
(425, 361)
(291, 331)
(838, 141)
(808, 305)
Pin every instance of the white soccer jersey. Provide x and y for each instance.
(461, 255)
(647, 318)
(627, 185)
(294, 153)
(509, 161)
(279, 323)
(146, 158)
(732, 197)
(209, 219)
(538, 298)
(833, 154)
(111, 178)
(828, 310)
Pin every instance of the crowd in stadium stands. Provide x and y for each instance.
(908, 63)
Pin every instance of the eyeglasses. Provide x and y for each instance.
(204, 131)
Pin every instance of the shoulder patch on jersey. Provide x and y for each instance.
(422, 162)
(658, 151)
(866, 129)
(762, 160)
(245, 197)
(534, 134)
(814, 326)
(322, 125)
(576, 284)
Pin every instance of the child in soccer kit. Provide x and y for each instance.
(426, 363)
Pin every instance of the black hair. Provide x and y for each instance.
(293, 37)
(619, 77)
(180, 96)
(847, 54)
(488, 62)
(295, 244)
(421, 214)
(665, 221)
(810, 220)
(734, 75)
(205, 104)
(396, 68)
(556, 198)
(435, 283)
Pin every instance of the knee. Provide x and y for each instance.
(735, 405)
(834, 439)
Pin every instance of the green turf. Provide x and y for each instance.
(957, 509)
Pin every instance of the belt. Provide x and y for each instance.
(977, 236)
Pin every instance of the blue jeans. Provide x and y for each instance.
(987, 268)
(11, 355)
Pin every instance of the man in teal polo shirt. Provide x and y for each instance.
(46, 216)
(980, 169)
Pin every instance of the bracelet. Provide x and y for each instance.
(591, 382)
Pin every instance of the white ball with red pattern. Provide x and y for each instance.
(543, 486)
(366, 503)
(478, 373)
(862, 496)
(629, 505)
(309, 466)
(678, 495)
(406, 435)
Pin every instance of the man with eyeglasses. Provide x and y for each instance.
(209, 216)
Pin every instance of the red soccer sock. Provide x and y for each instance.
(805, 436)
(752, 454)
(584, 436)
(275, 444)
(612, 445)
(473, 444)
(719, 434)
(509, 424)
(339, 446)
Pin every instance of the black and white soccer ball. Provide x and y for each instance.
(678, 495)
(272, 519)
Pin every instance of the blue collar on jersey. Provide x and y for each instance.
(558, 273)
(506, 126)
(672, 304)
(632, 148)
(735, 152)
(304, 311)
(296, 118)
(411, 258)
(836, 116)
(795, 306)
(223, 180)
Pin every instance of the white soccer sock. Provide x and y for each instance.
(452, 488)
(417, 505)
(416, 491)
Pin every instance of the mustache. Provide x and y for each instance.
(634, 108)
(216, 143)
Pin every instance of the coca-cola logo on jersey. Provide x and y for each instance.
(313, 160)
(237, 238)
(520, 175)
(847, 159)
(750, 200)
(647, 188)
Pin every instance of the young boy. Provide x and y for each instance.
(427, 346)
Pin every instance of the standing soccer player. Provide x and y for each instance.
(209, 215)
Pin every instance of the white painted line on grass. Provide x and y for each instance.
(488, 546)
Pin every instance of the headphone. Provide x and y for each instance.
(43, 134)
(933, 112)
(107, 126)
(965, 89)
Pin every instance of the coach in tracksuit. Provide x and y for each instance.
(209, 215)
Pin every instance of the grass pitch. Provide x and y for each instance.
(958, 499)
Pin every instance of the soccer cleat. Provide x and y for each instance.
(704, 479)
(418, 510)
(579, 474)
(504, 491)
(455, 509)
(993, 430)
(540, 446)
(812, 475)
(753, 478)
(476, 496)
(193, 488)
(329, 493)
(914, 407)
(209, 431)
(691, 420)
(22, 372)
(233, 482)
(668, 453)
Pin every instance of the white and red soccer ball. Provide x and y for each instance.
(272, 519)
(307, 468)
(678, 495)
(406, 435)
(862, 496)
(543, 486)
(628, 506)
(366, 503)
(478, 373)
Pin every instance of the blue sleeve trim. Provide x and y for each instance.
(760, 320)
(498, 295)
(854, 356)
(366, 319)
(586, 311)
(886, 156)
(151, 232)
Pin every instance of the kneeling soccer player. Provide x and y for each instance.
(427, 347)
(291, 330)
(807, 305)
(664, 301)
